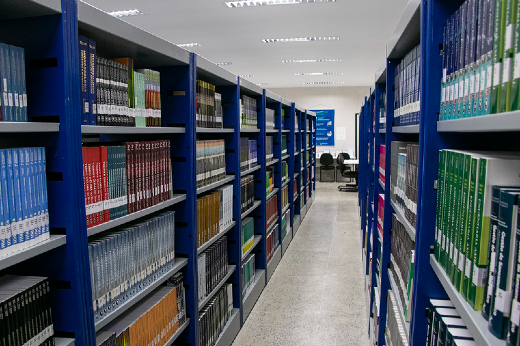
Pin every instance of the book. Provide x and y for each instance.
(84, 79)
(395, 330)
(214, 316)
(211, 161)
(247, 234)
(214, 213)
(247, 272)
(212, 267)
(271, 210)
(269, 118)
(248, 112)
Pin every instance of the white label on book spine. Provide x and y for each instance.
(515, 313)
(16, 99)
(509, 37)
(496, 73)
(462, 260)
(467, 270)
(503, 301)
(507, 70)
(479, 275)
(489, 75)
(10, 97)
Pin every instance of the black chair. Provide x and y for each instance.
(327, 164)
(347, 171)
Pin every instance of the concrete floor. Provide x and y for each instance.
(315, 297)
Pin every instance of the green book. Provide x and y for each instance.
(409, 291)
(498, 51)
(512, 337)
(463, 289)
(447, 209)
(463, 211)
(440, 204)
(515, 83)
(508, 55)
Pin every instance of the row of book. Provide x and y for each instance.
(214, 316)
(247, 234)
(121, 180)
(402, 264)
(285, 197)
(271, 211)
(382, 162)
(269, 147)
(248, 153)
(295, 189)
(407, 81)
(24, 211)
(210, 161)
(296, 124)
(152, 321)
(209, 112)
(13, 100)
(382, 110)
(212, 265)
(269, 118)
(445, 327)
(125, 262)
(380, 214)
(214, 213)
(477, 206)
(247, 272)
(284, 144)
(25, 311)
(247, 192)
(248, 113)
(271, 243)
(269, 180)
(307, 192)
(395, 331)
(286, 224)
(285, 172)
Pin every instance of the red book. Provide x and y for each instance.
(104, 181)
(85, 182)
(138, 175)
(98, 190)
(129, 180)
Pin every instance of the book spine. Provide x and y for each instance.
(468, 270)
(497, 57)
(514, 323)
(84, 79)
(507, 56)
(92, 89)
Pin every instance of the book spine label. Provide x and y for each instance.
(468, 270)
(84, 79)
(92, 88)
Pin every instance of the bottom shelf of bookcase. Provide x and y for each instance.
(296, 224)
(273, 263)
(367, 295)
(287, 240)
(476, 324)
(230, 330)
(303, 211)
(252, 295)
(64, 342)
(393, 286)
(178, 332)
(230, 271)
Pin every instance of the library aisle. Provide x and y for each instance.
(315, 296)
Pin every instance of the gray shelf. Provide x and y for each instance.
(382, 130)
(381, 184)
(122, 130)
(19, 256)
(273, 131)
(297, 153)
(230, 271)
(301, 189)
(230, 330)
(253, 293)
(502, 122)
(286, 131)
(258, 237)
(273, 263)
(302, 169)
(64, 342)
(381, 74)
(270, 228)
(272, 162)
(250, 170)
(272, 96)
(179, 264)
(296, 175)
(134, 216)
(178, 332)
(215, 185)
(214, 239)
(249, 130)
(249, 86)
(275, 190)
(284, 210)
(303, 211)
(407, 33)
(285, 183)
(210, 72)
(287, 240)
(13, 9)
(286, 156)
(248, 211)
(409, 228)
(211, 130)
(406, 129)
(26, 127)
(476, 324)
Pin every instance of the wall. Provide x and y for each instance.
(346, 101)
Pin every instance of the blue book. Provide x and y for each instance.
(37, 224)
(17, 114)
(92, 88)
(24, 188)
(31, 196)
(44, 203)
(5, 229)
(16, 209)
(84, 80)
(5, 75)
(23, 90)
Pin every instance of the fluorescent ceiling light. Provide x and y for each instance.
(252, 3)
(263, 84)
(246, 75)
(311, 60)
(224, 63)
(127, 13)
(301, 39)
(188, 45)
(322, 83)
(318, 73)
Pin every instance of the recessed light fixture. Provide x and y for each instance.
(318, 73)
(263, 84)
(188, 45)
(127, 13)
(253, 3)
(224, 63)
(322, 83)
(310, 60)
(246, 75)
(301, 39)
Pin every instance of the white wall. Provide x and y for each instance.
(346, 101)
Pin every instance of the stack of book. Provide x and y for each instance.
(380, 213)
(152, 89)
(296, 124)
(395, 330)
(382, 160)
(285, 172)
(125, 262)
(445, 327)
(214, 316)
(382, 111)
(13, 87)
(407, 81)
(247, 271)
(120, 180)
(269, 147)
(248, 113)
(248, 153)
(271, 210)
(26, 311)
(24, 211)
(412, 181)
(151, 321)
(285, 197)
(269, 180)
(212, 267)
(208, 110)
(271, 243)
(210, 161)
(247, 192)
(248, 234)
(284, 226)
(269, 118)
(397, 148)
(402, 260)
(284, 144)
(214, 213)
(177, 281)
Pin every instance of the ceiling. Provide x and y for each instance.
(234, 35)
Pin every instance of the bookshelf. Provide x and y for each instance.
(56, 125)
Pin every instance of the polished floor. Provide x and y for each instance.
(315, 297)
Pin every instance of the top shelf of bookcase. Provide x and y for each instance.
(381, 74)
(119, 130)
(249, 88)
(311, 114)
(15, 9)
(406, 129)
(272, 97)
(116, 38)
(407, 34)
(211, 73)
(22, 127)
(286, 103)
(502, 122)
(298, 108)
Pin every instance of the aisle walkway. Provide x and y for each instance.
(315, 296)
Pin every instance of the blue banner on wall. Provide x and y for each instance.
(324, 127)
